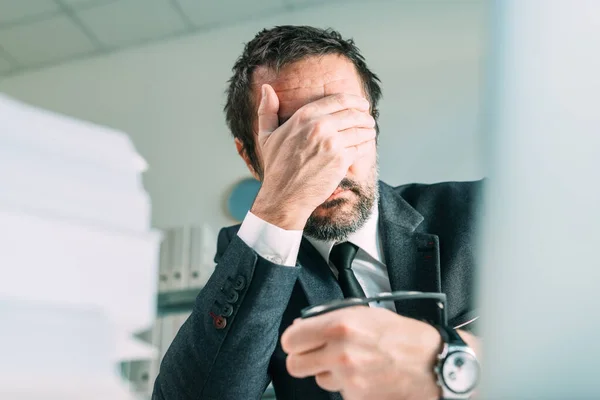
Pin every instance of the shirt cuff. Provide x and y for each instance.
(271, 242)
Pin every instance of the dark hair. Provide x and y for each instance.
(275, 48)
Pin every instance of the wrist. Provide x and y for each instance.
(457, 369)
(433, 346)
(280, 213)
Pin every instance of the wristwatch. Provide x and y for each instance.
(457, 367)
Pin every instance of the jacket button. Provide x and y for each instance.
(239, 283)
(220, 322)
(232, 297)
(227, 310)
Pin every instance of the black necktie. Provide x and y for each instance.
(342, 256)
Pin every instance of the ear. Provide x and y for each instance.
(242, 152)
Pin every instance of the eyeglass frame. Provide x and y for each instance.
(439, 298)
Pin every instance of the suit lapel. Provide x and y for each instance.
(316, 278)
(412, 258)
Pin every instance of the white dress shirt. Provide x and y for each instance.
(281, 246)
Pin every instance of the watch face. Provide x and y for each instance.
(460, 372)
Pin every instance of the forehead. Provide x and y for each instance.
(308, 80)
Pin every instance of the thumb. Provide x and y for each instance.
(268, 120)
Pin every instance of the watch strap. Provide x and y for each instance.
(449, 335)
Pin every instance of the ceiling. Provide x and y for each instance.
(39, 33)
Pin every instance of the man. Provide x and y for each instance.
(302, 106)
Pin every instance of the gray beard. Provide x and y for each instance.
(337, 227)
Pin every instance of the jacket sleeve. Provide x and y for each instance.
(223, 350)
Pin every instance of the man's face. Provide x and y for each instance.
(306, 81)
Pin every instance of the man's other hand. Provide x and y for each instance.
(365, 353)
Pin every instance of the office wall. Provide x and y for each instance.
(168, 96)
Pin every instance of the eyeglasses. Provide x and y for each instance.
(438, 298)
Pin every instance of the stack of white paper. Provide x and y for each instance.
(77, 255)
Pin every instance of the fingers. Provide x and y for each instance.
(340, 112)
(353, 153)
(334, 103)
(327, 381)
(350, 118)
(357, 136)
(305, 335)
(268, 119)
(310, 363)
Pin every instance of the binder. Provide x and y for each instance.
(179, 252)
(169, 326)
(155, 361)
(177, 322)
(203, 247)
(180, 320)
(209, 250)
(166, 334)
(164, 271)
(195, 258)
(139, 376)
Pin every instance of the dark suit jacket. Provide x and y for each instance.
(229, 347)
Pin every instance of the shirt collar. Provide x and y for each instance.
(366, 238)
